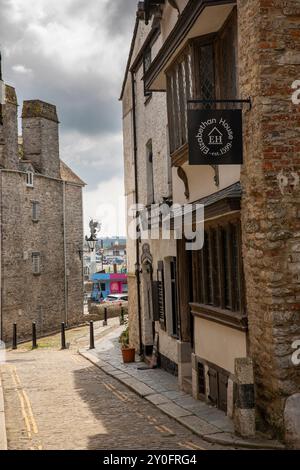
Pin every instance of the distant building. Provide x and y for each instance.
(42, 225)
(111, 241)
(105, 284)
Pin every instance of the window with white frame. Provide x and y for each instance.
(29, 179)
(36, 263)
(35, 211)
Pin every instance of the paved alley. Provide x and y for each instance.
(58, 400)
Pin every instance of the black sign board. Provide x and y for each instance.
(215, 137)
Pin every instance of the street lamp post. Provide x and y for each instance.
(101, 253)
(92, 242)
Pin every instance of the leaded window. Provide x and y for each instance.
(217, 269)
(36, 263)
(205, 70)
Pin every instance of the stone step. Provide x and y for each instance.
(187, 385)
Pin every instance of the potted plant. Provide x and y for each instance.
(127, 352)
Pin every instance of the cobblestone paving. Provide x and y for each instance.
(58, 400)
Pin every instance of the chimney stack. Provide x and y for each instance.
(40, 137)
(9, 157)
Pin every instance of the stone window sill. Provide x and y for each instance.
(234, 320)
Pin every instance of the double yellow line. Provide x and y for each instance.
(26, 408)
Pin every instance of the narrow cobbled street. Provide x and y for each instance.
(58, 400)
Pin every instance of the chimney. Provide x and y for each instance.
(40, 137)
(9, 157)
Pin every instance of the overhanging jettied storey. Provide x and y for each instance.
(147, 8)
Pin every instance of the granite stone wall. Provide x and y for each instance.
(28, 297)
(40, 137)
(9, 131)
(269, 62)
(54, 294)
(74, 242)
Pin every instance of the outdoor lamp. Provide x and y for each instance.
(91, 241)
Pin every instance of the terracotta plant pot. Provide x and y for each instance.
(128, 355)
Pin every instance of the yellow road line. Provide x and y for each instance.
(26, 408)
(190, 446)
(118, 394)
(160, 429)
(151, 419)
(33, 421)
(14, 371)
(27, 401)
(77, 359)
(166, 429)
(24, 414)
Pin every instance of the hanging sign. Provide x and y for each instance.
(215, 137)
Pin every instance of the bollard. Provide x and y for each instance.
(15, 344)
(92, 339)
(63, 336)
(34, 342)
(122, 316)
(105, 317)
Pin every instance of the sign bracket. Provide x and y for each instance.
(240, 101)
(217, 175)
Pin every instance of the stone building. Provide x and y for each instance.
(41, 223)
(232, 334)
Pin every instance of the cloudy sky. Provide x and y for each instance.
(73, 53)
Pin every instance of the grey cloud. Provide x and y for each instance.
(86, 96)
(100, 162)
(119, 15)
(87, 102)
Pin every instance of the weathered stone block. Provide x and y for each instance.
(292, 421)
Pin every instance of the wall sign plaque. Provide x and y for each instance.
(215, 137)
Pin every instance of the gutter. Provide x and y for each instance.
(138, 277)
(129, 57)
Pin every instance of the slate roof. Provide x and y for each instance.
(68, 175)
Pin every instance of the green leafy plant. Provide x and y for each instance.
(124, 338)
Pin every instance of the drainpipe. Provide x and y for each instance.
(65, 253)
(138, 277)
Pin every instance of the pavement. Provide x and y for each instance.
(161, 390)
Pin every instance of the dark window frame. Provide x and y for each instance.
(150, 173)
(35, 206)
(36, 263)
(174, 298)
(161, 295)
(147, 60)
(218, 269)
